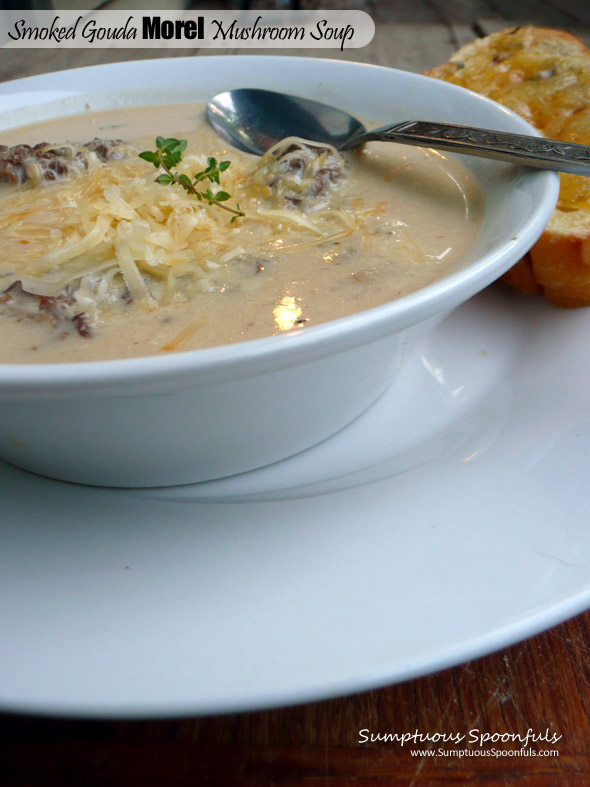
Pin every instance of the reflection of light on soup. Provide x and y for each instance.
(287, 313)
(145, 268)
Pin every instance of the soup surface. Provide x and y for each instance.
(102, 262)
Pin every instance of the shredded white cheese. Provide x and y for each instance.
(114, 232)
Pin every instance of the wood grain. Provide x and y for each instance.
(542, 684)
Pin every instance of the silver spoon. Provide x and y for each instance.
(253, 120)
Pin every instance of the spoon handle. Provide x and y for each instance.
(515, 148)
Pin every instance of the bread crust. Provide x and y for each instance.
(543, 75)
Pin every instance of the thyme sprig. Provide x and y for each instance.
(168, 154)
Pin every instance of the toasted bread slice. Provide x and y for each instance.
(544, 76)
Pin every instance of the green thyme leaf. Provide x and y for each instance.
(168, 154)
(147, 155)
(185, 181)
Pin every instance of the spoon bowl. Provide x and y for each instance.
(254, 120)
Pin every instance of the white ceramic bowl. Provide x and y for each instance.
(206, 414)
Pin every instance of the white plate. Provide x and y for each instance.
(413, 540)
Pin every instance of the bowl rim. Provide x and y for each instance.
(315, 341)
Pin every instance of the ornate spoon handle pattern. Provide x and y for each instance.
(515, 148)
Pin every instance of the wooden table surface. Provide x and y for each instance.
(542, 684)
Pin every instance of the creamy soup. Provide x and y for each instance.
(100, 261)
